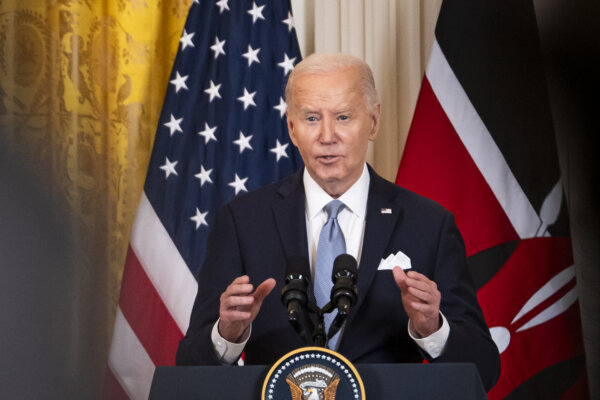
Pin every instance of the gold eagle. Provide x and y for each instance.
(295, 390)
(328, 392)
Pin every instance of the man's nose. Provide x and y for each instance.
(327, 134)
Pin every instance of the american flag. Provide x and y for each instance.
(222, 132)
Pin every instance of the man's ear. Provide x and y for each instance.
(375, 115)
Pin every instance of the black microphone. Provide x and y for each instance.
(344, 291)
(293, 295)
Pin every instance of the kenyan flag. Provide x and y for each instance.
(482, 144)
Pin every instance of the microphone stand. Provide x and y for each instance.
(343, 296)
(320, 338)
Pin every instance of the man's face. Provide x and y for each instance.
(330, 124)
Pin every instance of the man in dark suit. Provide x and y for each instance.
(428, 312)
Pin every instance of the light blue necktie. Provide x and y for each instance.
(331, 244)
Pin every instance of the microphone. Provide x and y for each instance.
(344, 291)
(293, 294)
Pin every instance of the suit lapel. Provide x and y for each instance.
(382, 217)
(290, 218)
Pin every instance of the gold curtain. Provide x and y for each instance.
(82, 83)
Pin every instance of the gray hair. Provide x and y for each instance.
(323, 63)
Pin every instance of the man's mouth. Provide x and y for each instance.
(327, 157)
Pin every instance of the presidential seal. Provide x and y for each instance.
(313, 373)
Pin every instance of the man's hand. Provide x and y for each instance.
(240, 306)
(421, 300)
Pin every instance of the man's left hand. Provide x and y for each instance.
(421, 300)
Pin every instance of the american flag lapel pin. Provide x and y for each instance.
(386, 210)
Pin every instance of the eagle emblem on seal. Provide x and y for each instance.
(313, 382)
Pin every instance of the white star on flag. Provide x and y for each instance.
(251, 55)
(287, 64)
(279, 149)
(239, 184)
(179, 82)
(217, 47)
(213, 91)
(199, 218)
(169, 167)
(247, 99)
(289, 21)
(186, 40)
(208, 133)
(204, 176)
(173, 125)
(223, 5)
(243, 142)
(256, 12)
(281, 107)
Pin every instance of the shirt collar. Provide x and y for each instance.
(355, 198)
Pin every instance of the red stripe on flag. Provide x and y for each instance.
(146, 313)
(437, 165)
(112, 387)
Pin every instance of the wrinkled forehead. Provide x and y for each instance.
(337, 87)
(347, 75)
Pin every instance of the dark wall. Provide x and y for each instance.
(570, 38)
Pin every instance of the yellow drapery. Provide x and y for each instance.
(82, 83)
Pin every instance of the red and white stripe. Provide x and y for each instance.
(454, 148)
(481, 146)
(157, 295)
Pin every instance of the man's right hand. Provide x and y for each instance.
(240, 306)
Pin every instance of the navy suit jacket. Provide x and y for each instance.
(257, 232)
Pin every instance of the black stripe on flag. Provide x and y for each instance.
(493, 48)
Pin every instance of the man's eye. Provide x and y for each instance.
(311, 119)
(344, 117)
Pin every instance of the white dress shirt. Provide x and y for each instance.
(352, 220)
